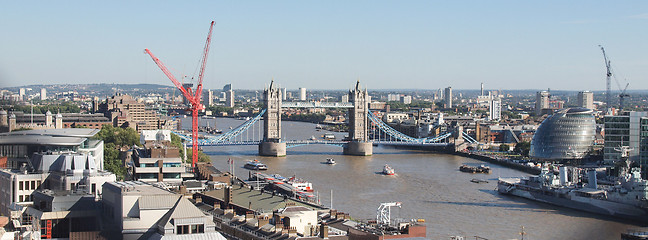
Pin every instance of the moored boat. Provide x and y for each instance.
(628, 200)
(330, 161)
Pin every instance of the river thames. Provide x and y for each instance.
(429, 185)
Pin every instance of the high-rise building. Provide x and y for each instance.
(227, 87)
(229, 98)
(21, 93)
(208, 98)
(43, 94)
(283, 94)
(393, 97)
(482, 90)
(643, 142)
(406, 99)
(624, 129)
(448, 97)
(495, 109)
(586, 99)
(302, 94)
(542, 102)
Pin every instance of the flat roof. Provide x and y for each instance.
(61, 132)
(139, 188)
(40, 140)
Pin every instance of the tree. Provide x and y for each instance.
(504, 148)
(176, 141)
(115, 138)
(523, 148)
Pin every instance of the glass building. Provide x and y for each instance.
(567, 134)
(624, 129)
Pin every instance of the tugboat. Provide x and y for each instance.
(255, 165)
(330, 161)
(387, 170)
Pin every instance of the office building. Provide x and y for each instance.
(138, 210)
(406, 99)
(393, 97)
(624, 129)
(495, 109)
(585, 99)
(21, 93)
(229, 98)
(542, 102)
(43, 94)
(227, 87)
(124, 111)
(208, 97)
(567, 134)
(448, 97)
(302, 94)
(59, 159)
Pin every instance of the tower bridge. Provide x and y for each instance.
(365, 128)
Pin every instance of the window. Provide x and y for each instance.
(182, 229)
(20, 198)
(33, 185)
(20, 185)
(94, 188)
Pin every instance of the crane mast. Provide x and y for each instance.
(193, 98)
(608, 93)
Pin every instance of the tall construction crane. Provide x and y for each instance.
(192, 97)
(608, 92)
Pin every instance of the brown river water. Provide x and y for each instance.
(429, 185)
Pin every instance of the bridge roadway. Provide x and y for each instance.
(296, 143)
(316, 105)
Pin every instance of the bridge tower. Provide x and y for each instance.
(272, 144)
(359, 144)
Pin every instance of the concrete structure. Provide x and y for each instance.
(124, 111)
(643, 144)
(542, 102)
(272, 144)
(158, 164)
(227, 87)
(448, 97)
(302, 94)
(21, 93)
(51, 121)
(623, 130)
(229, 98)
(359, 144)
(495, 109)
(406, 99)
(43, 94)
(142, 211)
(25, 143)
(568, 134)
(585, 99)
(302, 219)
(209, 98)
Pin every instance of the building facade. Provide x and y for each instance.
(623, 130)
(448, 97)
(567, 134)
(542, 102)
(585, 99)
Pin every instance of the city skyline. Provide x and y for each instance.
(328, 45)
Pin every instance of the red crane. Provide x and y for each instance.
(193, 98)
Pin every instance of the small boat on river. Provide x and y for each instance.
(387, 170)
(255, 165)
(330, 161)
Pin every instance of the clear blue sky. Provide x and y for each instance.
(328, 44)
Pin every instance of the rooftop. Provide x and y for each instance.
(138, 188)
(61, 132)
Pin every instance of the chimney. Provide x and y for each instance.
(323, 231)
